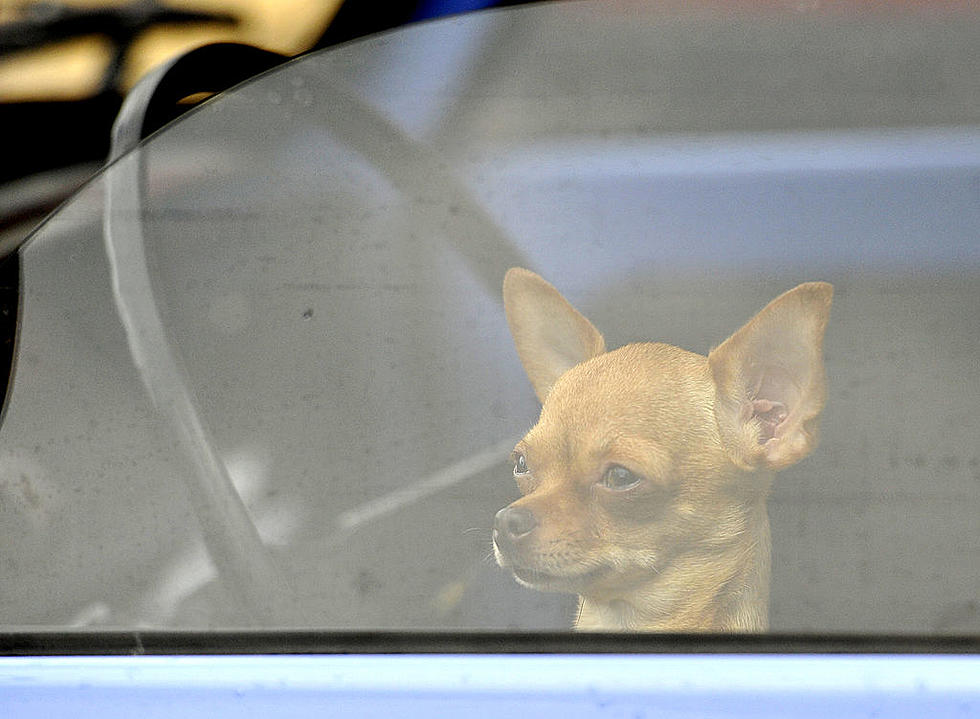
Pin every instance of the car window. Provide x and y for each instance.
(266, 376)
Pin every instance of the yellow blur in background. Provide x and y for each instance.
(74, 69)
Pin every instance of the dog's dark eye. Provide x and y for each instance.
(619, 479)
(520, 465)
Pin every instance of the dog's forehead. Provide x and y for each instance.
(649, 388)
(634, 376)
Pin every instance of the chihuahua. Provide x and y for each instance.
(644, 481)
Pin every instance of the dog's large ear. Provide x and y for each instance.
(769, 378)
(551, 336)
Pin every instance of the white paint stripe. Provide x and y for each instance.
(676, 155)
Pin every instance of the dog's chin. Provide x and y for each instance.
(573, 581)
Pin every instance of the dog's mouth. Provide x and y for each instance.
(549, 574)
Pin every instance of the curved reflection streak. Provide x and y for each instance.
(230, 536)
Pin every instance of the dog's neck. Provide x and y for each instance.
(724, 590)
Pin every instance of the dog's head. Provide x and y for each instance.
(649, 452)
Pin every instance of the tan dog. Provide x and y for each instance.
(645, 480)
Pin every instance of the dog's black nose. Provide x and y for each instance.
(512, 523)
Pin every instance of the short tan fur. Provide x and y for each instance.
(644, 481)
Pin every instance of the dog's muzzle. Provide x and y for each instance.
(512, 525)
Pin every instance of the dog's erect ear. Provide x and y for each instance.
(551, 336)
(769, 378)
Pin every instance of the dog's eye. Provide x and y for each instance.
(619, 479)
(520, 465)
